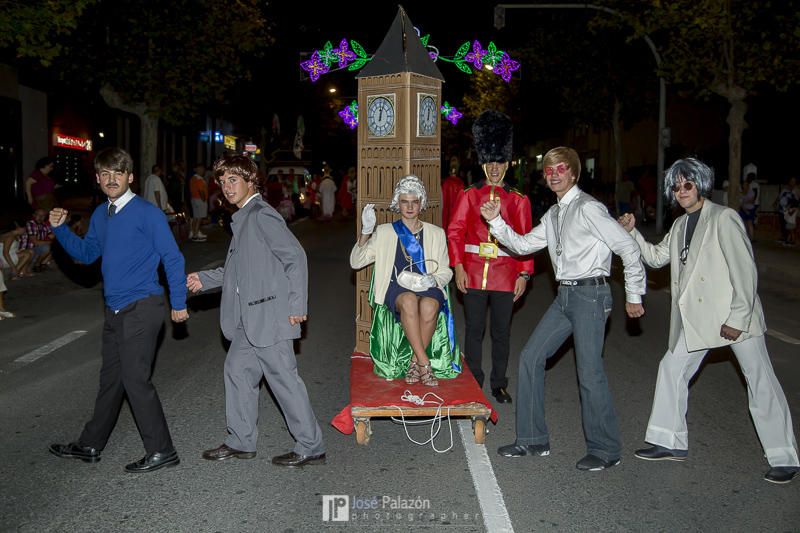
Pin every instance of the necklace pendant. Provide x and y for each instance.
(558, 249)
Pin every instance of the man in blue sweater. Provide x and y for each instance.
(133, 237)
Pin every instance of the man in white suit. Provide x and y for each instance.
(714, 303)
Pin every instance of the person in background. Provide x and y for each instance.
(345, 194)
(714, 303)
(199, 194)
(154, 190)
(39, 238)
(132, 237)
(327, 194)
(749, 204)
(16, 259)
(40, 188)
(452, 187)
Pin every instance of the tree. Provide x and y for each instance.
(729, 49)
(158, 60)
(592, 79)
(33, 30)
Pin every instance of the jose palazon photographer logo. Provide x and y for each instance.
(335, 508)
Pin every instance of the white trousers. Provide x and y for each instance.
(768, 407)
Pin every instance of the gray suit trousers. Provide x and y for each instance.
(244, 367)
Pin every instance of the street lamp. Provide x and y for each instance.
(663, 131)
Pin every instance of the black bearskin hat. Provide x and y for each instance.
(493, 136)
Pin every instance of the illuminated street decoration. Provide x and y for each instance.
(350, 115)
(451, 113)
(470, 56)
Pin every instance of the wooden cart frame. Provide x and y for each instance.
(478, 412)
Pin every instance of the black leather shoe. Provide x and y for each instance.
(521, 450)
(592, 463)
(781, 474)
(292, 459)
(226, 452)
(154, 461)
(73, 450)
(660, 453)
(501, 395)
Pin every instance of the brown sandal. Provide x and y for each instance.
(426, 376)
(412, 374)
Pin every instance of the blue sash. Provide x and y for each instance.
(417, 255)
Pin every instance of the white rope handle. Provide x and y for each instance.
(436, 421)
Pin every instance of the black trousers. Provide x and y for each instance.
(502, 305)
(129, 347)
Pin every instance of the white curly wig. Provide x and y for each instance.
(409, 185)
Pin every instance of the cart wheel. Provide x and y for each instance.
(363, 431)
(479, 429)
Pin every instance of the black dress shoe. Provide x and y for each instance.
(781, 474)
(521, 450)
(226, 452)
(501, 395)
(294, 460)
(592, 463)
(154, 461)
(660, 453)
(73, 450)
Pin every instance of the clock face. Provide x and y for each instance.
(380, 115)
(427, 115)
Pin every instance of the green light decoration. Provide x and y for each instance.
(469, 56)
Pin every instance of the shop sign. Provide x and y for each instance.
(76, 143)
(230, 142)
(250, 147)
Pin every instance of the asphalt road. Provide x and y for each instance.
(47, 399)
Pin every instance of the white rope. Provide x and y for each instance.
(436, 421)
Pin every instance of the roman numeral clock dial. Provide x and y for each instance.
(381, 115)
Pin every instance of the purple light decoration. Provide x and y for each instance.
(344, 54)
(350, 115)
(505, 67)
(476, 56)
(451, 113)
(315, 66)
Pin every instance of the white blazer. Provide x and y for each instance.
(718, 284)
(380, 249)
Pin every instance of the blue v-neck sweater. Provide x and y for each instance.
(132, 243)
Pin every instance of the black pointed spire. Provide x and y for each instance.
(401, 51)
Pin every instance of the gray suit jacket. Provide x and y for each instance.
(265, 277)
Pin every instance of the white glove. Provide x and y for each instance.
(429, 281)
(368, 219)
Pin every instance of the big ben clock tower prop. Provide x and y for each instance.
(400, 92)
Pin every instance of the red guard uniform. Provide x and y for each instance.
(467, 230)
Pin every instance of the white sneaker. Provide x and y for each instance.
(201, 235)
(7, 314)
(198, 238)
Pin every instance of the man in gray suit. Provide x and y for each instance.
(264, 293)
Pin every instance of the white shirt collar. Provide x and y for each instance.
(569, 196)
(248, 200)
(122, 200)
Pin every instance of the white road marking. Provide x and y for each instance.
(783, 337)
(490, 498)
(50, 347)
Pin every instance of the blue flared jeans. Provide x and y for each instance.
(581, 312)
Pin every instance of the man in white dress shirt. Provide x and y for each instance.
(580, 236)
(154, 190)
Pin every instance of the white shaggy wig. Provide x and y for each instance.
(409, 185)
(692, 170)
